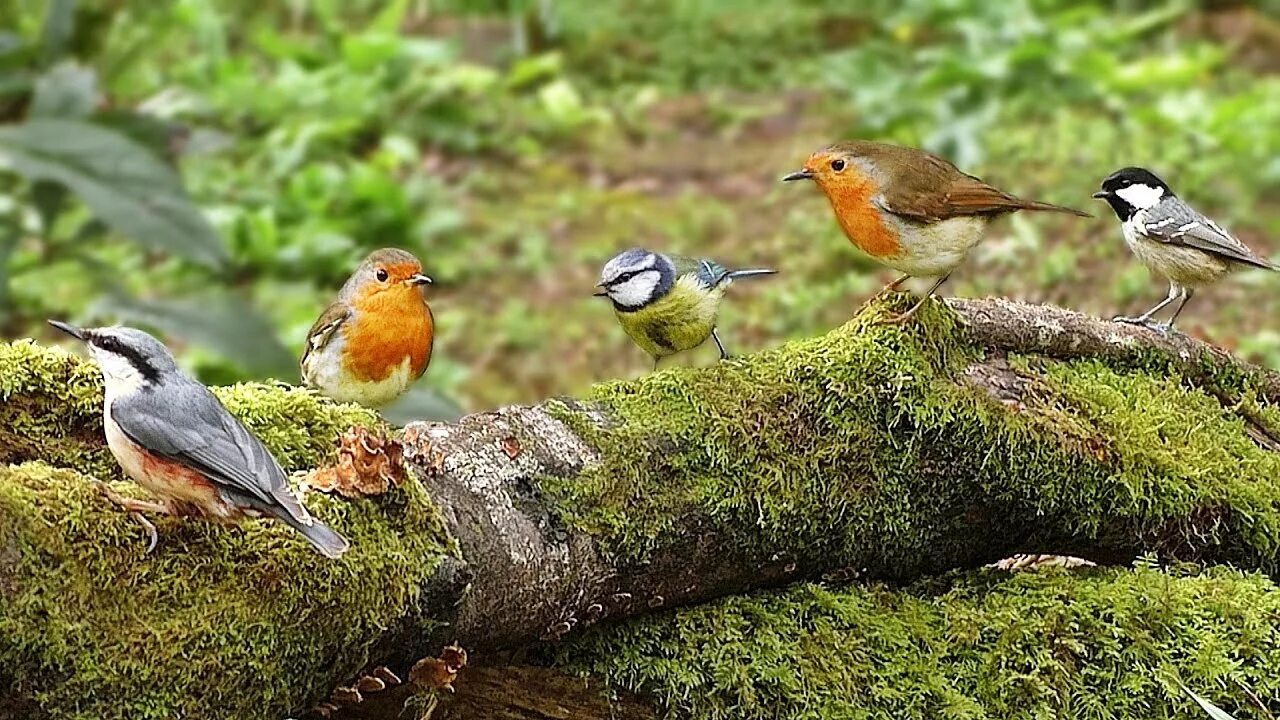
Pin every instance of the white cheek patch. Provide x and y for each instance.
(1141, 196)
(637, 291)
(120, 376)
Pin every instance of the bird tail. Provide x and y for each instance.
(321, 536)
(736, 274)
(1037, 206)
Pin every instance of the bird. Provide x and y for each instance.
(174, 438)
(668, 303)
(908, 209)
(1172, 239)
(375, 340)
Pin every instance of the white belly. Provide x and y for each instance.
(1181, 265)
(126, 452)
(935, 249)
(323, 371)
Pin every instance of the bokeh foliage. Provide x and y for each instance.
(517, 145)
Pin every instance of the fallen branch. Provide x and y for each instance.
(879, 452)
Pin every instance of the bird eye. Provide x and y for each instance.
(381, 275)
(837, 164)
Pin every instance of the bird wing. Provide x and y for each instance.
(1177, 223)
(708, 272)
(931, 190)
(322, 330)
(189, 426)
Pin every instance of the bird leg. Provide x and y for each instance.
(1186, 295)
(724, 354)
(136, 508)
(1144, 319)
(904, 317)
(891, 286)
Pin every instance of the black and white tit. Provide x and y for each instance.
(667, 303)
(1171, 238)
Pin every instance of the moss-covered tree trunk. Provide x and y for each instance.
(891, 453)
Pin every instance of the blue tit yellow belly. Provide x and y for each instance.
(680, 320)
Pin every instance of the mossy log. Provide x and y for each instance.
(987, 428)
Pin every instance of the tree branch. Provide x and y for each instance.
(883, 452)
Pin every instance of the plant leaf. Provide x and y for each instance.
(59, 25)
(1215, 712)
(221, 322)
(68, 90)
(121, 181)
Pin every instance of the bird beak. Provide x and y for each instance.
(1102, 195)
(418, 279)
(602, 292)
(72, 330)
(798, 175)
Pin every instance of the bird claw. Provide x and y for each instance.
(898, 319)
(1156, 327)
(134, 507)
(153, 536)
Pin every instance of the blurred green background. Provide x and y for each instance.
(213, 169)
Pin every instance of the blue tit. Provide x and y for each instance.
(667, 303)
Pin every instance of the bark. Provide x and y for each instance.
(527, 566)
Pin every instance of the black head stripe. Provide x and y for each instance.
(113, 345)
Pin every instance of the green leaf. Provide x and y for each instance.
(59, 25)
(68, 90)
(49, 198)
(1214, 712)
(217, 321)
(121, 181)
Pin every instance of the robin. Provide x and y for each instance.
(667, 303)
(912, 211)
(375, 340)
(174, 438)
(1172, 239)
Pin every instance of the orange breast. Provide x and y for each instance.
(388, 327)
(861, 221)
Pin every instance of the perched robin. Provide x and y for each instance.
(375, 340)
(1171, 239)
(908, 209)
(173, 437)
(666, 303)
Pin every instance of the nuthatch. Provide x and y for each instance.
(173, 437)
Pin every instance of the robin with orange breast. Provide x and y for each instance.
(910, 210)
(375, 340)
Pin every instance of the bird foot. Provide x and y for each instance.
(898, 319)
(1156, 327)
(136, 508)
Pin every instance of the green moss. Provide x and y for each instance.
(868, 447)
(1185, 467)
(238, 622)
(1099, 646)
